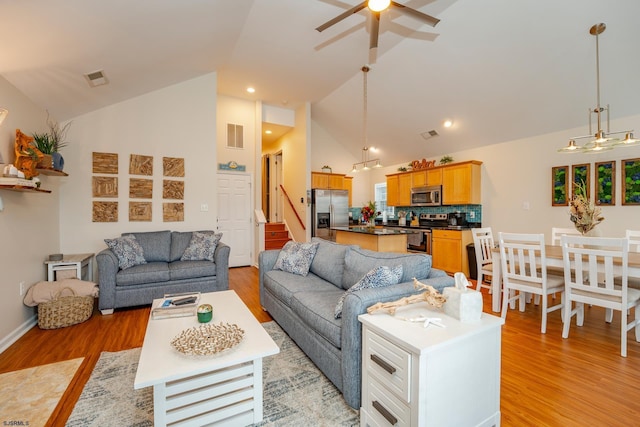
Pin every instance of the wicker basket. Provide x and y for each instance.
(64, 311)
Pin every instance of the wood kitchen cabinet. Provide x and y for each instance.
(449, 250)
(404, 189)
(332, 181)
(392, 190)
(427, 177)
(348, 185)
(461, 183)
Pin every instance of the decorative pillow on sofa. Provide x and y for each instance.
(202, 246)
(296, 258)
(127, 250)
(377, 278)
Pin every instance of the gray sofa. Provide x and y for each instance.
(163, 272)
(304, 305)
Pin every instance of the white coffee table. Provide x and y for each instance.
(225, 389)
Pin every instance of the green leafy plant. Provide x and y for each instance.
(402, 169)
(53, 140)
(446, 159)
(43, 142)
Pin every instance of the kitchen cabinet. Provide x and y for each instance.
(412, 375)
(419, 178)
(404, 189)
(434, 176)
(449, 250)
(392, 190)
(427, 177)
(461, 183)
(332, 181)
(348, 185)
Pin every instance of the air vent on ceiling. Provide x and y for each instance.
(96, 78)
(430, 134)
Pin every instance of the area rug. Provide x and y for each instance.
(296, 393)
(29, 396)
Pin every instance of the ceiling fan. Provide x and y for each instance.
(376, 7)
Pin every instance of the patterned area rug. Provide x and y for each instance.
(296, 393)
(29, 396)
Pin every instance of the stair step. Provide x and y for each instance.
(270, 235)
(274, 226)
(275, 244)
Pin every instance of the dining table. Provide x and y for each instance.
(553, 256)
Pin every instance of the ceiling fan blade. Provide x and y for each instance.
(340, 17)
(417, 14)
(375, 28)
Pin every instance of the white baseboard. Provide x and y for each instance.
(14, 336)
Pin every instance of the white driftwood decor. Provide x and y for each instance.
(431, 296)
(209, 339)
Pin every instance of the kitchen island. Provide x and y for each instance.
(375, 239)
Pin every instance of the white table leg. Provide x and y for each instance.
(496, 284)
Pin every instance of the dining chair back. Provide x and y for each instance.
(483, 243)
(558, 232)
(524, 270)
(634, 240)
(591, 266)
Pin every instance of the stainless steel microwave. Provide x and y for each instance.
(426, 196)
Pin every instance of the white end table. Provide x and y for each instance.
(75, 262)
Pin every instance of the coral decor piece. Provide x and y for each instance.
(584, 214)
(206, 340)
(27, 155)
(431, 296)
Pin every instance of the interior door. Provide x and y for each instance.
(234, 216)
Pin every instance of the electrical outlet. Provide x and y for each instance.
(472, 215)
(204, 207)
(21, 289)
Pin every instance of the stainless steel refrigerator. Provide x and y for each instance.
(329, 208)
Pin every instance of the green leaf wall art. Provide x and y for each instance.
(631, 182)
(559, 180)
(605, 183)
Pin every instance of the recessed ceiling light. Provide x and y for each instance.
(250, 90)
(448, 123)
(268, 132)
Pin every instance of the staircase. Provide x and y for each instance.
(275, 235)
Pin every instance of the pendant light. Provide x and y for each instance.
(601, 140)
(366, 163)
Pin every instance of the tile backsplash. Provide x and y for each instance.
(474, 212)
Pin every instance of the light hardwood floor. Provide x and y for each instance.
(546, 381)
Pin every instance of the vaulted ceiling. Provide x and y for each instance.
(501, 69)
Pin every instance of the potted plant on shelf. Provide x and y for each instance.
(50, 143)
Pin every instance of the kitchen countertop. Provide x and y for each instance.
(377, 231)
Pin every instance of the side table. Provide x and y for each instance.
(78, 262)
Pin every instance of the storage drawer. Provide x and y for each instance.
(389, 364)
(447, 234)
(384, 409)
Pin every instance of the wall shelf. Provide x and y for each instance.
(23, 189)
(51, 172)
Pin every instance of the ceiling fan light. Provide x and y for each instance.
(378, 5)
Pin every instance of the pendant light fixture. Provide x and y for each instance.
(366, 163)
(601, 140)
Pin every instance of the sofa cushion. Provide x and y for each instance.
(360, 261)
(328, 263)
(377, 278)
(153, 272)
(202, 246)
(283, 285)
(127, 250)
(316, 309)
(191, 269)
(296, 257)
(179, 242)
(156, 245)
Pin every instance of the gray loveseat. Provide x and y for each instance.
(304, 305)
(162, 273)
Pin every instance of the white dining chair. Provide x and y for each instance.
(483, 243)
(524, 270)
(558, 232)
(633, 236)
(584, 258)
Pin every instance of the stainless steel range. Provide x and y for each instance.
(422, 242)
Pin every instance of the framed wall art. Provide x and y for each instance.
(580, 175)
(630, 181)
(605, 183)
(559, 182)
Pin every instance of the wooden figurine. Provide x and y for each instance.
(27, 155)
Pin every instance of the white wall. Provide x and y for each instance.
(177, 121)
(240, 112)
(29, 224)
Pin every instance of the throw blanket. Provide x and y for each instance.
(47, 291)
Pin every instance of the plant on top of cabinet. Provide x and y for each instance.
(446, 159)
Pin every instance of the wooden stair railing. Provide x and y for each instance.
(292, 207)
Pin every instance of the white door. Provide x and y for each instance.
(234, 216)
